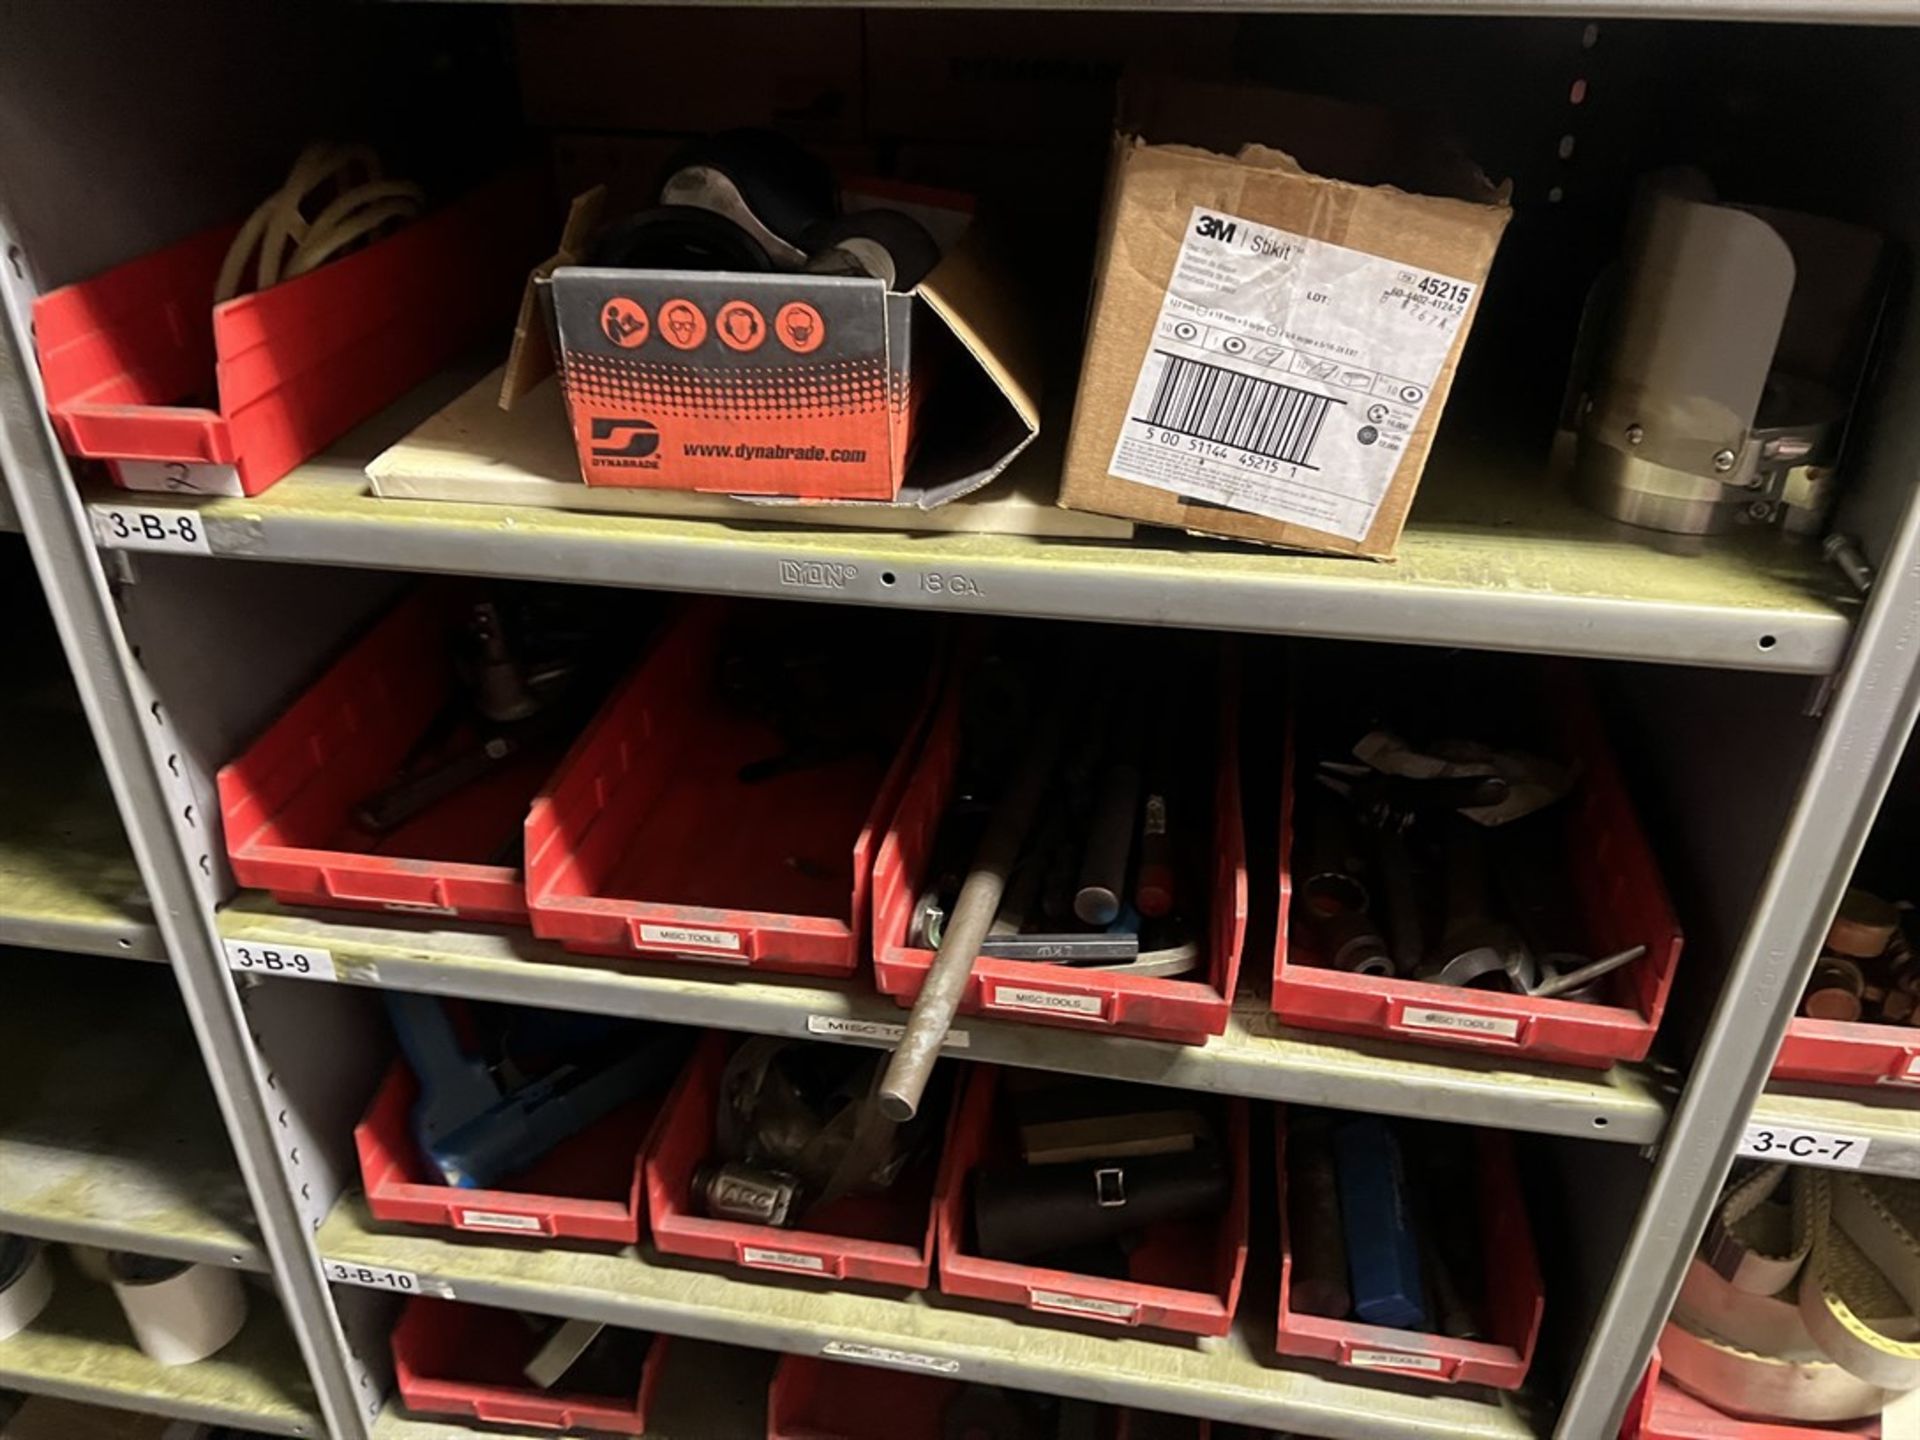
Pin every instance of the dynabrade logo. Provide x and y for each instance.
(623, 443)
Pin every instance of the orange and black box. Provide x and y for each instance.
(794, 386)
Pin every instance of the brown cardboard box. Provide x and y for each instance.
(1274, 330)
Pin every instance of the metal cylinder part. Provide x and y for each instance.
(911, 1064)
(180, 1314)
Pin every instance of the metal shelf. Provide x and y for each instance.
(1883, 12)
(80, 1349)
(1887, 1119)
(1496, 557)
(109, 1134)
(1237, 1378)
(1257, 1057)
(67, 877)
(708, 1392)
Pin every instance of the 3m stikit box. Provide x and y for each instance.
(793, 385)
(1274, 330)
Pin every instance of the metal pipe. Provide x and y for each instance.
(911, 1064)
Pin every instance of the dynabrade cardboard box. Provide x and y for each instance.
(797, 386)
(1274, 330)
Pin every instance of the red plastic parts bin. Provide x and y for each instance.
(1198, 1264)
(1515, 1295)
(647, 843)
(586, 1188)
(885, 1239)
(1188, 1011)
(1661, 1410)
(130, 357)
(1621, 894)
(1840, 1053)
(466, 1361)
(820, 1400)
(288, 802)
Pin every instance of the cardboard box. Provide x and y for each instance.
(795, 386)
(1274, 330)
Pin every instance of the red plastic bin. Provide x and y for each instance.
(1190, 1270)
(1661, 1410)
(1515, 1295)
(1624, 903)
(1841, 1053)
(1187, 1011)
(129, 356)
(287, 803)
(886, 1239)
(647, 843)
(466, 1361)
(585, 1188)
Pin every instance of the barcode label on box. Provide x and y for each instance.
(1459, 1022)
(1044, 1002)
(883, 1032)
(495, 1220)
(689, 936)
(1394, 1360)
(782, 1259)
(882, 1355)
(1286, 375)
(297, 962)
(1083, 1305)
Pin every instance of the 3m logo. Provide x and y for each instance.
(817, 574)
(1212, 227)
(623, 439)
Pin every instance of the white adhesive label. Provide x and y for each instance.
(1421, 1017)
(1286, 375)
(494, 1220)
(142, 527)
(884, 1032)
(177, 478)
(782, 1259)
(1045, 1002)
(1912, 1072)
(881, 1355)
(1083, 1305)
(1790, 1143)
(298, 962)
(1394, 1360)
(681, 935)
(379, 1277)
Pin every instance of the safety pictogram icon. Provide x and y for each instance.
(682, 325)
(740, 326)
(624, 322)
(800, 327)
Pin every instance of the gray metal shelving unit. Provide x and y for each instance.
(1768, 652)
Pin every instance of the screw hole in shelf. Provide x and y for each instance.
(1767, 642)
(887, 577)
(1599, 1122)
(1577, 95)
(13, 259)
(124, 943)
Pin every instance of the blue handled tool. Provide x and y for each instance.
(1383, 1254)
